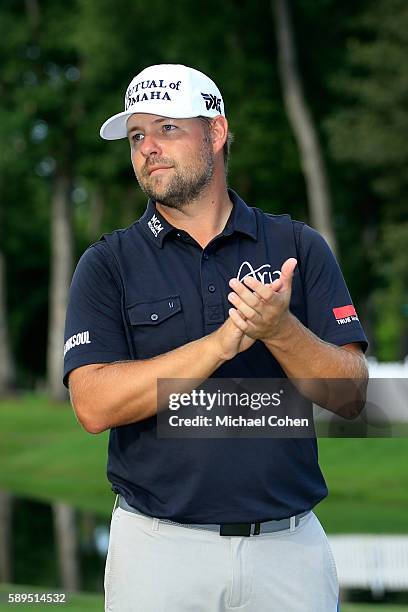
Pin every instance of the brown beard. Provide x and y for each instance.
(186, 184)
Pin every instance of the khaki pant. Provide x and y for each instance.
(152, 566)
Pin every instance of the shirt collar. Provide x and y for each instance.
(242, 219)
(155, 225)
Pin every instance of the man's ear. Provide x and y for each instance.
(219, 132)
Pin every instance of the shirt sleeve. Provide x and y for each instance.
(330, 312)
(94, 328)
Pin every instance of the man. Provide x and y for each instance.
(204, 286)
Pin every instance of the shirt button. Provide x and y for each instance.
(154, 316)
(211, 288)
(205, 255)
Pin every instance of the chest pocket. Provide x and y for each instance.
(157, 326)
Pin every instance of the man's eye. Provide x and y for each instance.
(169, 127)
(137, 137)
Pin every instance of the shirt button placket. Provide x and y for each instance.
(212, 298)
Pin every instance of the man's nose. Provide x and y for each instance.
(150, 146)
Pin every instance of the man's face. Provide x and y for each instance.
(173, 159)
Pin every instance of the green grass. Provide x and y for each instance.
(94, 603)
(368, 485)
(45, 454)
(75, 603)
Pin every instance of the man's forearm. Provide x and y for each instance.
(306, 358)
(108, 395)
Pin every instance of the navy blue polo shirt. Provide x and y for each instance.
(147, 289)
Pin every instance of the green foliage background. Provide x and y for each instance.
(65, 68)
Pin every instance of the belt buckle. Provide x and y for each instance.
(242, 530)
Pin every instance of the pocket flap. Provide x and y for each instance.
(154, 312)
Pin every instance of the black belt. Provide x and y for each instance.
(228, 529)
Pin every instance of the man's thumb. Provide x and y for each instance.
(287, 270)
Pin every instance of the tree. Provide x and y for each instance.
(312, 161)
(61, 272)
(56, 111)
(6, 573)
(7, 372)
(67, 545)
(369, 131)
(7, 159)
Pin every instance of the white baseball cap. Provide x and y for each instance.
(167, 90)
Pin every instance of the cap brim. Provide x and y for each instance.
(115, 127)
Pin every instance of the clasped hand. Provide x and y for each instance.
(260, 310)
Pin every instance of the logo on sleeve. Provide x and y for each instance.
(76, 340)
(345, 314)
(155, 226)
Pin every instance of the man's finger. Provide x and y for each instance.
(238, 320)
(244, 293)
(263, 291)
(247, 311)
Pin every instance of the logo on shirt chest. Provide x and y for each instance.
(155, 226)
(263, 273)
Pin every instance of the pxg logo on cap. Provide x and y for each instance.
(167, 90)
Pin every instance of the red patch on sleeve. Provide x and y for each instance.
(344, 311)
